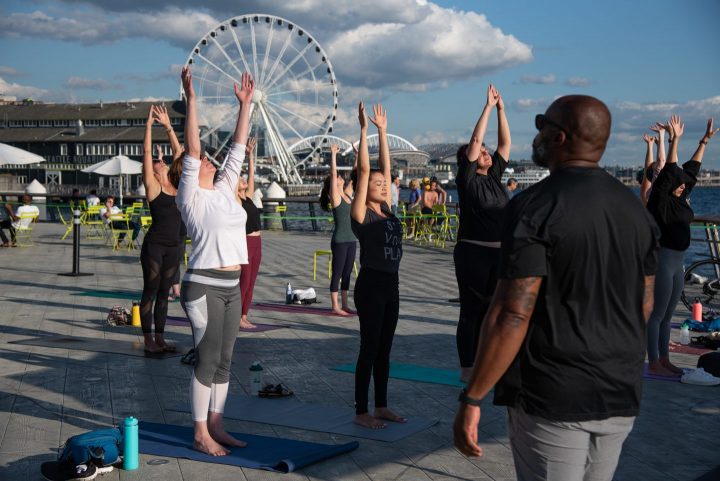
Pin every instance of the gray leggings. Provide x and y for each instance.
(669, 281)
(211, 299)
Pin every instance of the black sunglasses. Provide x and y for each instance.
(541, 120)
(156, 161)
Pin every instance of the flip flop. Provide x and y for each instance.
(278, 390)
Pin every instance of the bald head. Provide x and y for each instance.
(587, 122)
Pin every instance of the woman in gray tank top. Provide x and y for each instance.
(343, 243)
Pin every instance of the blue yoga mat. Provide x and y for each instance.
(270, 454)
(410, 372)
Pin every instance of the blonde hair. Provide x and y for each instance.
(414, 184)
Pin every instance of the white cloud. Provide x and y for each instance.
(10, 72)
(439, 137)
(406, 45)
(531, 105)
(538, 79)
(21, 91)
(90, 84)
(443, 46)
(577, 82)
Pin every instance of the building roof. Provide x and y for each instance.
(97, 134)
(96, 111)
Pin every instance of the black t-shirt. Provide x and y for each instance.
(591, 240)
(482, 199)
(253, 216)
(380, 240)
(673, 214)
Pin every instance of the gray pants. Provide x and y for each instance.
(669, 282)
(211, 300)
(566, 451)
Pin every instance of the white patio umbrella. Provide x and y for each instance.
(10, 155)
(118, 165)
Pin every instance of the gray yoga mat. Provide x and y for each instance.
(110, 346)
(292, 413)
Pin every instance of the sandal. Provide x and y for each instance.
(277, 390)
(189, 358)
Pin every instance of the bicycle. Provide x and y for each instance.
(702, 279)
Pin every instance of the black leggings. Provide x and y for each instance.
(377, 301)
(159, 265)
(476, 269)
(343, 258)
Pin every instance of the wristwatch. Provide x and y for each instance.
(465, 399)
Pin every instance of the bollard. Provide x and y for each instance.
(313, 221)
(76, 248)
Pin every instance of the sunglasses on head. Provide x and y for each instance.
(157, 161)
(541, 121)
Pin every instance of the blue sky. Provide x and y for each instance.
(429, 62)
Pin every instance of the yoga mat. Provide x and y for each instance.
(262, 452)
(183, 321)
(292, 413)
(110, 346)
(646, 375)
(409, 372)
(135, 296)
(296, 308)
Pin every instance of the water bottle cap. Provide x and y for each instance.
(130, 421)
(256, 366)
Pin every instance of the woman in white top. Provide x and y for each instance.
(215, 221)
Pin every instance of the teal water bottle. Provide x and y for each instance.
(130, 444)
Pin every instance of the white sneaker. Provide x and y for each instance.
(700, 377)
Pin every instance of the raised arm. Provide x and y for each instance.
(192, 132)
(358, 207)
(645, 184)
(660, 141)
(676, 128)
(188, 185)
(504, 140)
(250, 154)
(152, 186)
(473, 149)
(335, 194)
(232, 165)
(709, 132)
(501, 337)
(161, 116)
(380, 121)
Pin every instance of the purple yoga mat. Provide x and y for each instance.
(182, 321)
(658, 378)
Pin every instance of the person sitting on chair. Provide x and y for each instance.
(15, 222)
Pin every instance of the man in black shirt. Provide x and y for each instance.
(564, 338)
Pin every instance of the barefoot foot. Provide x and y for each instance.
(340, 312)
(367, 421)
(208, 445)
(388, 415)
(221, 436)
(657, 369)
(665, 362)
(152, 346)
(245, 324)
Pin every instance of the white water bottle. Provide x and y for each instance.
(288, 294)
(685, 335)
(256, 378)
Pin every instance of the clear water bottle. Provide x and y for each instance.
(288, 294)
(685, 335)
(256, 378)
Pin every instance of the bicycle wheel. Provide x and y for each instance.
(702, 282)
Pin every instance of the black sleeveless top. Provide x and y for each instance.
(165, 228)
(253, 216)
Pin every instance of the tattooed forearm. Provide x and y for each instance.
(648, 296)
(517, 298)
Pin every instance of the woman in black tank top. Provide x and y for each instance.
(159, 255)
(377, 297)
(248, 274)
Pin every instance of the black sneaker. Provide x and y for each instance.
(57, 471)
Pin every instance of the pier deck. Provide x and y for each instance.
(47, 395)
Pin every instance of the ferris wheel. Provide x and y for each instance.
(296, 93)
